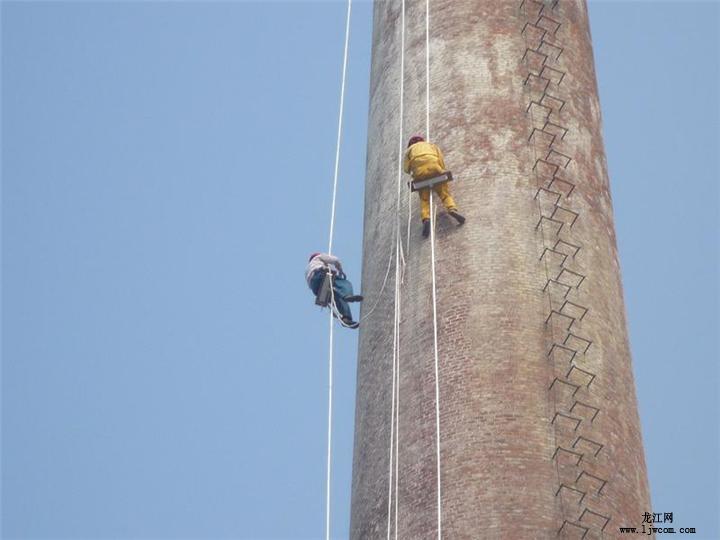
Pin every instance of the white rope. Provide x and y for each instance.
(382, 288)
(335, 311)
(396, 396)
(330, 245)
(393, 411)
(329, 430)
(434, 288)
(339, 130)
(395, 406)
(437, 374)
(427, 70)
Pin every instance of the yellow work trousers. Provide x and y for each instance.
(443, 191)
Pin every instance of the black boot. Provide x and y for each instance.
(349, 323)
(426, 228)
(458, 217)
(354, 298)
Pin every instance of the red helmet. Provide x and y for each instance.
(313, 256)
(415, 139)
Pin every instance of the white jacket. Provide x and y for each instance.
(318, 262)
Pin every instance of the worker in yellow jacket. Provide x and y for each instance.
(424, 160)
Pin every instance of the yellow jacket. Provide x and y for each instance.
(424, 160)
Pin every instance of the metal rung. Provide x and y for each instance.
(546, 164)
(549, 191)
(559, 253)
(582, 340)
(574, 214)
(579, 277)
(570, 488)
(578, 455)
(549, 45)
(572, 352)
(590, 442)
(533, 52)
(577, 421)
(545, 218)
(538, 6)
(539, 105)
(601, 481)
(572, 305)
(533, 76)
(587, 511)
(567, 383)
(558, 127)
(564, 182)
(564, 159)
(558, 77)
(573, 247)
(324, 295)
(552, 24)
(549, 97)
(546, 133)
(427, 183)
(577, 525)
(588, 374)
(567, 287)
(540, 30)
(562, 315)
(587, 406)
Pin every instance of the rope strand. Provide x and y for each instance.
(395, 406)
(330, 246)
(339, 130)
(434, 287)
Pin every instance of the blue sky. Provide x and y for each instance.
(166, 169)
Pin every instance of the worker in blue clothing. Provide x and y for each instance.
(319, 266)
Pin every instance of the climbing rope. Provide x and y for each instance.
(434, 286)
(399, 269)
(330, 245)
(382, 288)
(395, 406)
(399, 259)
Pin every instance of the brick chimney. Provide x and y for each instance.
(539, 428)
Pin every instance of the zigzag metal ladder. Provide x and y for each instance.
(577, 454)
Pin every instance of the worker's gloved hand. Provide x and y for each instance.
(342, 275)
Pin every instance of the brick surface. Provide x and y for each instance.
(540, 435)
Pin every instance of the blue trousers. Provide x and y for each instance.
(341, 288)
